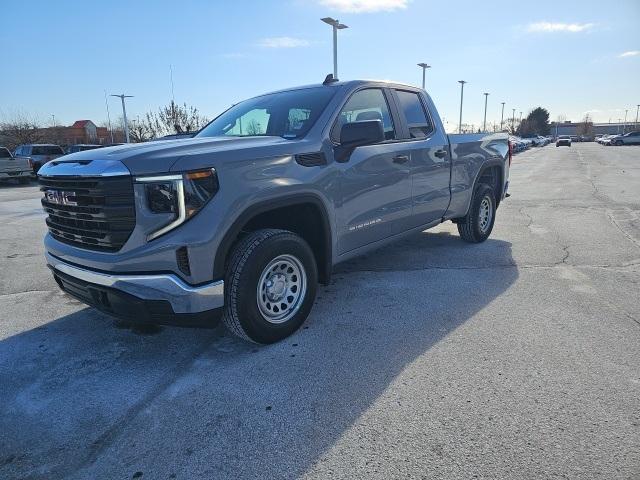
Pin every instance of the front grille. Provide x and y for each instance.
(96, 213)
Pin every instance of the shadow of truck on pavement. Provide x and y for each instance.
(82, 399)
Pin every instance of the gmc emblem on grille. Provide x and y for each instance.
(60, 197)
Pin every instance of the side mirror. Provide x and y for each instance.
(358, 134)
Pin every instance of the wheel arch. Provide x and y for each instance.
(492, 173)
(306, 215)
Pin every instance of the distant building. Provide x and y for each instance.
(570, 128)
(82, 131)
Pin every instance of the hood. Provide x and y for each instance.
(166, 155)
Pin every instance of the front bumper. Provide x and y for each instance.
(147, 298)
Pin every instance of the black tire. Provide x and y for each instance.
(469, 226)
(249, 260)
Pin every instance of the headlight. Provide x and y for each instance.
(182, 196)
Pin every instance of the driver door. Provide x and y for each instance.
(375, 182)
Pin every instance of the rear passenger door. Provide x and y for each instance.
(428, 149)
(375, 182)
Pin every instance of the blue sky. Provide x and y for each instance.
(571, 57)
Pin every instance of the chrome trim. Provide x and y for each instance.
(81, 168)
(182, 212)
(159, 178)
(183, 297)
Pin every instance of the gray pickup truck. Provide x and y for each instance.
(244, 220)
(13, 168)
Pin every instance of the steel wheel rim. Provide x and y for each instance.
(485, 214)
(281, 289)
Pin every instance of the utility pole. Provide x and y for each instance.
(424, 67)
(106, 104)
(336, 25)
(484, 123)
(637, 110)
(461, 82)
(124, 115)
(502, 116)
(513, 120)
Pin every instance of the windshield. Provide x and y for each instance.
(288, 114)
(47, 150)
(4, 153)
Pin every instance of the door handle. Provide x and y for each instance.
(401, 159)
(440, 153)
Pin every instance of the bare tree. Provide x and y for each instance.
(20, 128)
(173, 119)
(585, 128)
(140, 131)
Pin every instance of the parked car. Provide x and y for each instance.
(563, 140)
(574, 138)
(38, 154)
(631, 138)
(81, 147)
(243, 224)
(607, 139)
(11, 167)
(517, 144)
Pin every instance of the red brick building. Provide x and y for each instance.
(82, 131)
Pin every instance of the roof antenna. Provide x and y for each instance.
(328, 80)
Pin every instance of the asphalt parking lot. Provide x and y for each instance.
(432, 358)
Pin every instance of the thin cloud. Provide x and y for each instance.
(283, 42)
(365, 6)
(550, 27)
(630, 53)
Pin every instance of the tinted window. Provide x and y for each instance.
(47, 150)
(369, 104)
(411, 106)
(4, 153)
(288, 114)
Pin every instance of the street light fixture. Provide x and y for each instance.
(484, 123)
(461, 82)
(424, 67)
(124, 114)
(336, 25)
(502, 116)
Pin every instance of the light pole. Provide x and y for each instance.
(484, 123)
(336, 25)
(502, 116)
(637, 110)
(124, 114)
(624, 126)
(513, 120)
(424, 67)
(461, 82)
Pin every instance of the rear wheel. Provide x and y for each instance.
(270, 285)
(477, 225)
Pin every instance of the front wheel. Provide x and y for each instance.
(477, 225)
(270, 286)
